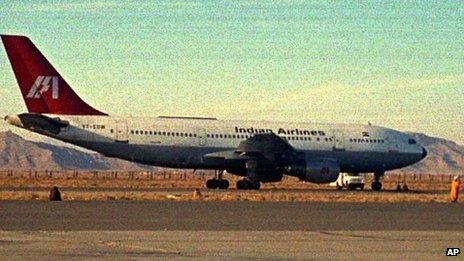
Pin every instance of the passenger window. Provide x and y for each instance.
(412, 141)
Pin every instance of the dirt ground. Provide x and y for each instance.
(181, 186)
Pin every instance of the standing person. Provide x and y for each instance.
(55, 194)
(455, 189)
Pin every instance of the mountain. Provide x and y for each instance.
(19, 153)
(444, 156)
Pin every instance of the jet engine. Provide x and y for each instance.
(316, 171)
(263, 175)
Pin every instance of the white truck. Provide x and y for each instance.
(349, 181)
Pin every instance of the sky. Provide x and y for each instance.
(398, 64)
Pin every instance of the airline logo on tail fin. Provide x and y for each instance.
(42, 85)
(44, 90)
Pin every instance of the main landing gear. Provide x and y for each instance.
(217, 181)
(250, 182)
(376, 185)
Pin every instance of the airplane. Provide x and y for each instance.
(259, 151)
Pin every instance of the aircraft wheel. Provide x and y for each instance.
(376, 185)
(247, 184)
(241, 184)
(339, 187)
(223, 184)
(244, 184)
(212, 183)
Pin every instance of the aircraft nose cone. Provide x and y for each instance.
(424, 152)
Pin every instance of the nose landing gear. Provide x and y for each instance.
(218, 181)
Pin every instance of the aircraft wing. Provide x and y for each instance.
(266, 148)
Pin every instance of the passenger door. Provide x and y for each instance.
(122, 132)
(202, 137)
(338, 140)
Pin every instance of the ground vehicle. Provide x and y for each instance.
(349, 181)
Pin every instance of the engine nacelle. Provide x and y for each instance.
(316, 171)
(262, 175)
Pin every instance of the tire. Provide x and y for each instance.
(376, 186)
(361, 187)
(223, 184)
(212, 183)
(246, 184)
(339, 187)
(240, 184)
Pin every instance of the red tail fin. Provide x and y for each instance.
(42, 87)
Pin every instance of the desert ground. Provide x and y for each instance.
(180, 185)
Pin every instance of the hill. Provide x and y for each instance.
(19, 153)
(444, 157)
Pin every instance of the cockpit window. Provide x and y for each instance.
(412, 141)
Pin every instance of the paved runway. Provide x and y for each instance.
(230, 215)
(166, 229)
(365, 245)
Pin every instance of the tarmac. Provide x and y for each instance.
(237, 229)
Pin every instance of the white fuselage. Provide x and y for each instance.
(181, 142)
